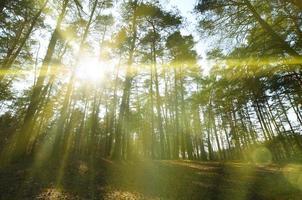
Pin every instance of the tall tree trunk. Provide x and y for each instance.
(28, 122)
(68, 95)
(12, 48)
(262, 122)
(199, 135)
(153, 138)
(269, 30)
(234, 129)
(187, 137)
(117, 153)
(14, 52)
(285, 114)
(177, 129)
(295, 108)
(212, 118)
(158, 107)
(112, 112)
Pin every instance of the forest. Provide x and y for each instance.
(151, 99)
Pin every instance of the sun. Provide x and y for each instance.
(91, 69)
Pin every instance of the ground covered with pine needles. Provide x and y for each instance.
(105, 179)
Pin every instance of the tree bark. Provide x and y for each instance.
(28, 122)
(117, 153)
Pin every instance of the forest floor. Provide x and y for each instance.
(105, 179)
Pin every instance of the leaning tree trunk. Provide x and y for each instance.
(275, 36)
(15, 51)
(28, 123)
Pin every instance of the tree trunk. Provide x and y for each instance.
(269, 29)
(117, 154)
(28, 122)
(158, 108)
(14, 52)
(177, 134)
(188, 143)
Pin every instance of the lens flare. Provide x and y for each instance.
(262, 155)
(91, 69)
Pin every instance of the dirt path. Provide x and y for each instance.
(150, 180)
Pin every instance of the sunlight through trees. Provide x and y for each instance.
(125, 80)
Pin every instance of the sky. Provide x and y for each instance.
(186, 8)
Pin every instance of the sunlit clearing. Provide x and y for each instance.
(91, 69)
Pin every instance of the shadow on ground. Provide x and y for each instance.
(105, 179)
